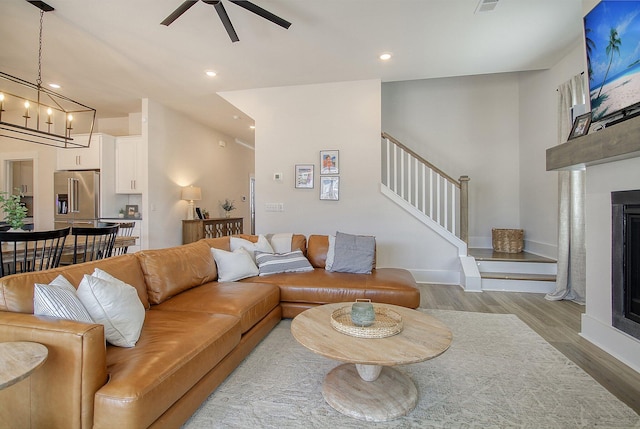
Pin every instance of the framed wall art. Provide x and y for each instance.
(329, 162)
(131, 211)
(330, 188)
(304, 176)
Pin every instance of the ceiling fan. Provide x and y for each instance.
(222, 13)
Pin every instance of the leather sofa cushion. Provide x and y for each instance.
(16, 291)
(318, 246)
(387, 285)
(175, 350)
(248, 301)
(170, 271)
(222, 243)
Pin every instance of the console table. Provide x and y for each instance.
(194, 230)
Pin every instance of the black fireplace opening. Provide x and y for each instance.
(625, 261)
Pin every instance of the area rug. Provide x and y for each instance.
(498, 373)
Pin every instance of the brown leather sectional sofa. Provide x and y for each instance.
(196, 331)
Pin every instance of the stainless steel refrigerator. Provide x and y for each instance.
(77, 198)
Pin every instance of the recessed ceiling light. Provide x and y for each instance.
(54, 85)
(210, 73)
(386, 56)
(253, 127)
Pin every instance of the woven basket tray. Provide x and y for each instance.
(507, 240)
(387, 323)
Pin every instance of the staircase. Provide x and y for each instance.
(515, 272)
(441, 203)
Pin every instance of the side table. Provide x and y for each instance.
(18, 359)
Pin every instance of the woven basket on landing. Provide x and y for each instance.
(507, 240)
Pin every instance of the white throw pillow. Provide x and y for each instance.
(262, 245)
(281, 242)
(234, 265)
(58, 299)
(114, 304)
(331, 252)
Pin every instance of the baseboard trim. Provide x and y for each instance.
(436, 276)
(541, 249)
(621, 346)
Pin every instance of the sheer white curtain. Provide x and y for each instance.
(571, 281)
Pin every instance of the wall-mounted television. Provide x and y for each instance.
(612, 41)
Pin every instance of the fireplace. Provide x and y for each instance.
(625, 268)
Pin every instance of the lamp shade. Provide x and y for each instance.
(191, 193)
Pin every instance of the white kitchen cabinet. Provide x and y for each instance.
(129, 165)
(22, 178)
(82, 158)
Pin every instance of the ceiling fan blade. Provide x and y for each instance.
(179, 11)
(41, 5)
(261, 12)
(222, 13)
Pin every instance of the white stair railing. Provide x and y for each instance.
(425, 187)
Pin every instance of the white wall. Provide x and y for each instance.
(182, 152)
(293, 124)
(496, 129)
(596, 322)
(465, 126)
(538, 132)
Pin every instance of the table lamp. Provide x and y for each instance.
(191, 194)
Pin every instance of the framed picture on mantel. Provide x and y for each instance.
(580, 126)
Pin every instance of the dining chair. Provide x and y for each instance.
(125, 230)
(31, 251)
(91, 244)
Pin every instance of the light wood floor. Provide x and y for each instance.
(558, 322)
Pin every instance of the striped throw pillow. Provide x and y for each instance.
(59, 299)
(290, 262)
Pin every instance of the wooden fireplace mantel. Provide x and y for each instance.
(615, 143)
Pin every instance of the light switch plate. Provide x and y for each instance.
(274, 207)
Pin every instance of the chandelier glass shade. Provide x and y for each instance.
(31, 113)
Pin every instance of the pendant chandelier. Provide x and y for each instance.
(31, 113)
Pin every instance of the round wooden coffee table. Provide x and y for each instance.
(371, 390)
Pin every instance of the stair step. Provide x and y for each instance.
(489, 255)
(519, 276)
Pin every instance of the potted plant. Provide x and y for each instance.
(14, 210)
(227, 206)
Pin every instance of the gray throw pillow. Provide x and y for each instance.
(353, 253)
